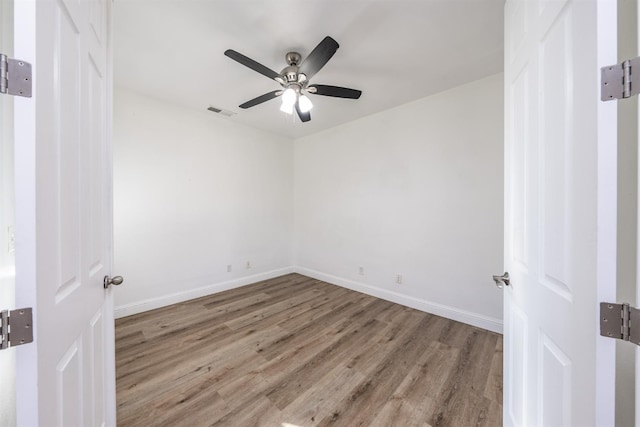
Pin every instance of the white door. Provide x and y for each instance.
(63, 213)
(560, 211)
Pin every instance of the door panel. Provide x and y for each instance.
(66, 151)
(554, 388)
(555, 52)
(516, 384)
(517, 212)
(69, 387)
(96, 372)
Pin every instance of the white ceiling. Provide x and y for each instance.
(395, 51)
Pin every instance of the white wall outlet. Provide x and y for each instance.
(228, 268)
(399, 279)
(12, 239)
(248, 264)
(361, 270)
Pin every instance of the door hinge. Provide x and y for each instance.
(620, 321)
(15, 77)
(16, 327)
(617, 81)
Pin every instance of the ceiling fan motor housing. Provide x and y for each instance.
(290, 73)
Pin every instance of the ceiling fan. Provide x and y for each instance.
(294, 79)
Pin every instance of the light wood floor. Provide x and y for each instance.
(295, 351)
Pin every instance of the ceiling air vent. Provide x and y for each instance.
(221, 111)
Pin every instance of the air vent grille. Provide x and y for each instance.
(221, 111)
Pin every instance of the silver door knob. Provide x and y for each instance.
(108, 281)
(502, 279)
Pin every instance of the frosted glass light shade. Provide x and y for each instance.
(289, 97)
(286, 108)
(305, 104)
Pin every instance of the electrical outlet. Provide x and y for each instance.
(361, 271)
(248, 264)
(229, 268)
(12, 239)
(399, 279)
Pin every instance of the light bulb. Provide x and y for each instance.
(305, 104)
(289, 97)
(286, 108)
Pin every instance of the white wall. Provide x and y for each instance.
(416, 190)
(194, 192)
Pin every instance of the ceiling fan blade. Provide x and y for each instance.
(305, 117)
(336, 91)
(319, 56)
(255, 66)
(261, 99)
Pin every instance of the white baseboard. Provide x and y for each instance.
(474, 319)
(165, 300)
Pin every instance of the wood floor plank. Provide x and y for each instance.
(400, 409)
(297, 351)
(427, 379)
(138, 321)
(189, 333)
(278, 308)
(199, 410)
(483, 355)
(315, 403)
(345, 313)
(309, 374)
(493, 390)
(459, 389)
(231, 348)
(369, 357)
(365, 402)
(282, 389)
(202, 366)
(153, 352)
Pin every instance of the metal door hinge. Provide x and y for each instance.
(621, 80)
(15, 77)
(15, 327)
(620, 321)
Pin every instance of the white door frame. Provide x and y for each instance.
(637, 379)
(7, 219)
(607, 23)
(25, 228)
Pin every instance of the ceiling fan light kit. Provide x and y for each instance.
(287, 108)
(289, 99)
(305, 104)
(294, 79)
